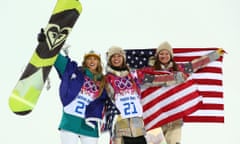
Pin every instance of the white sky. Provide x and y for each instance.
(129, 24)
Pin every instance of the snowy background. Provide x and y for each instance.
(129, 24)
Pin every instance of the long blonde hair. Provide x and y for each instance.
(98, 76)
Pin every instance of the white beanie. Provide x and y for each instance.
(115, 50)
(164, 46)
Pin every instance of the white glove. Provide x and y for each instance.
(65, 49)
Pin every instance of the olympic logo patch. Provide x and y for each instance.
(123, 83)
(90, 86)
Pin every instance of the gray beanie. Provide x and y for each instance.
(115, 50)
(164, 46)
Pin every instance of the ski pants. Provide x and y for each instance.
(72, 138)
(130, 140)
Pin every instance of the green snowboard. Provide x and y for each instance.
(28, 88)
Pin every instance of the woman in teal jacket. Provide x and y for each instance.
(83, 96)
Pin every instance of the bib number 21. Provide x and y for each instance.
(129, 108)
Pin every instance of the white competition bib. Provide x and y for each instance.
(129, 105)
(78, 106)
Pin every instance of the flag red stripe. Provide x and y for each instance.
(184, 50)
(212, 107)
(185, 59)
(210, 69)
(209, 119)
(209, 81)
(211, 94)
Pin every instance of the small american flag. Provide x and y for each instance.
(110, 112)
(199, 99)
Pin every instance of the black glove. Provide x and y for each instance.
(41, 36)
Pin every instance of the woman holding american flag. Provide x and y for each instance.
(124, 92)
(164, 62)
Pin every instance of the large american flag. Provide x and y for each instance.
(199, 99)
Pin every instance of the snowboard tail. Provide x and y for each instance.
(28, 89)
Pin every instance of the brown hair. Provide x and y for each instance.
(158, 63)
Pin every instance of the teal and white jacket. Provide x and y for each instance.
(82, 103)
